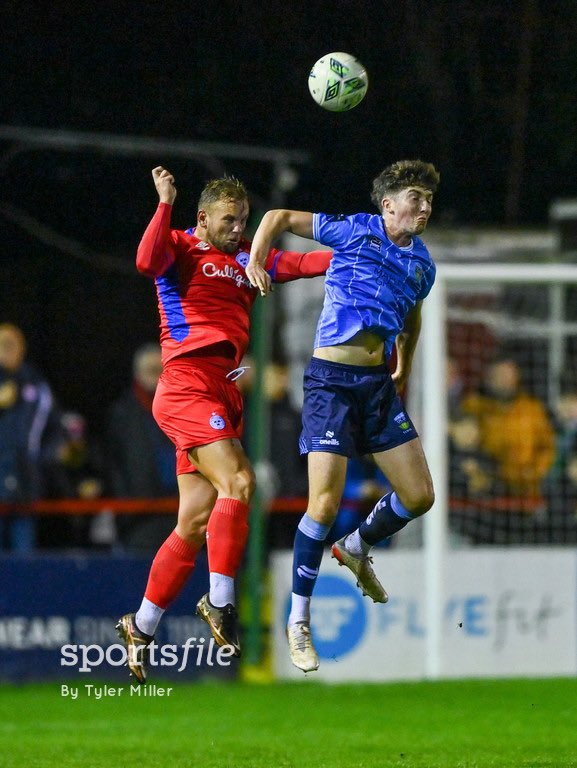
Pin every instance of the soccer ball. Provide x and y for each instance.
(338, 82)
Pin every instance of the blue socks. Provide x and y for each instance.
(308, 553)
(387, 517)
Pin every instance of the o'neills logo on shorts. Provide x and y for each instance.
(328, 439)
(211, 270)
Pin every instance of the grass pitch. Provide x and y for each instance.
(462, 724)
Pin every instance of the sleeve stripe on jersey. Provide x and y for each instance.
(272, 270)
(171, 304)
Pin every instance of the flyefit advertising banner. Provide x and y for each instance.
(506, 612)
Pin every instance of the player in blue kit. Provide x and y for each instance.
(378, 277)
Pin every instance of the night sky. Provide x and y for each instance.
(485, 90)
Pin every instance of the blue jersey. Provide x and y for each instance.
(371, 284)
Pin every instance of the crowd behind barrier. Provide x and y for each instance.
(512, 462)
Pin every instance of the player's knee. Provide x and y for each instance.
(193, 534)
(419, 499)
(240, 485)
(323, 508)
(247, 484)
(191, 525)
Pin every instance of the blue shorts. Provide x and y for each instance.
(352, 409)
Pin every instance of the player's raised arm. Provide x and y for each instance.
(154, 254)
(164, 183)
(273, 224)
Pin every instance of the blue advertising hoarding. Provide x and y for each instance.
(58, 615)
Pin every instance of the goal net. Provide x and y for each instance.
(495, 395)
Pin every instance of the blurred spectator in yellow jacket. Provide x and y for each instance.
(515, 429)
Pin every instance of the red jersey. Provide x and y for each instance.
(204, 295)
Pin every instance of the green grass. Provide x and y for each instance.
(463, 724)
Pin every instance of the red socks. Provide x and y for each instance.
(170, 569)
(225, 540)
(226, 536)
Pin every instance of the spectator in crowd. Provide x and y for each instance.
(561, 483)
(569, 487)
(30, 434)
(76, 473)
(140, 460)
(515, 429)
(290, 467)
(473, 483)
(472, 472)
(561, 499)
(566, 423)
(287, 469)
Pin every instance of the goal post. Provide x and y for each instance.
(508, 316)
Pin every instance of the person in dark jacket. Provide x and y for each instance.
(140, 458)
(30, 433)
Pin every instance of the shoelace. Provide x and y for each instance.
(303, 638)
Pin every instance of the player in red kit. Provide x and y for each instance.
(204, 300)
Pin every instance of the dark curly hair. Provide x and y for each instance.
(403, 174)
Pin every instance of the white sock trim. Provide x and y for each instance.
(221, 590)
(148, 616)
(300, 609)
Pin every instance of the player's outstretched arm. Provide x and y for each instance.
(273, 224)
(292, 265)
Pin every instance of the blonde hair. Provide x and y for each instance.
(226, 188)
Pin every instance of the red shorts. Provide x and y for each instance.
(195, 404)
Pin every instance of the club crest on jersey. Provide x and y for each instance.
(217, 422)
(417, 272)
(403, 421)
(242, 259)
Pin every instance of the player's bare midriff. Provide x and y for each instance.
(365, 348)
